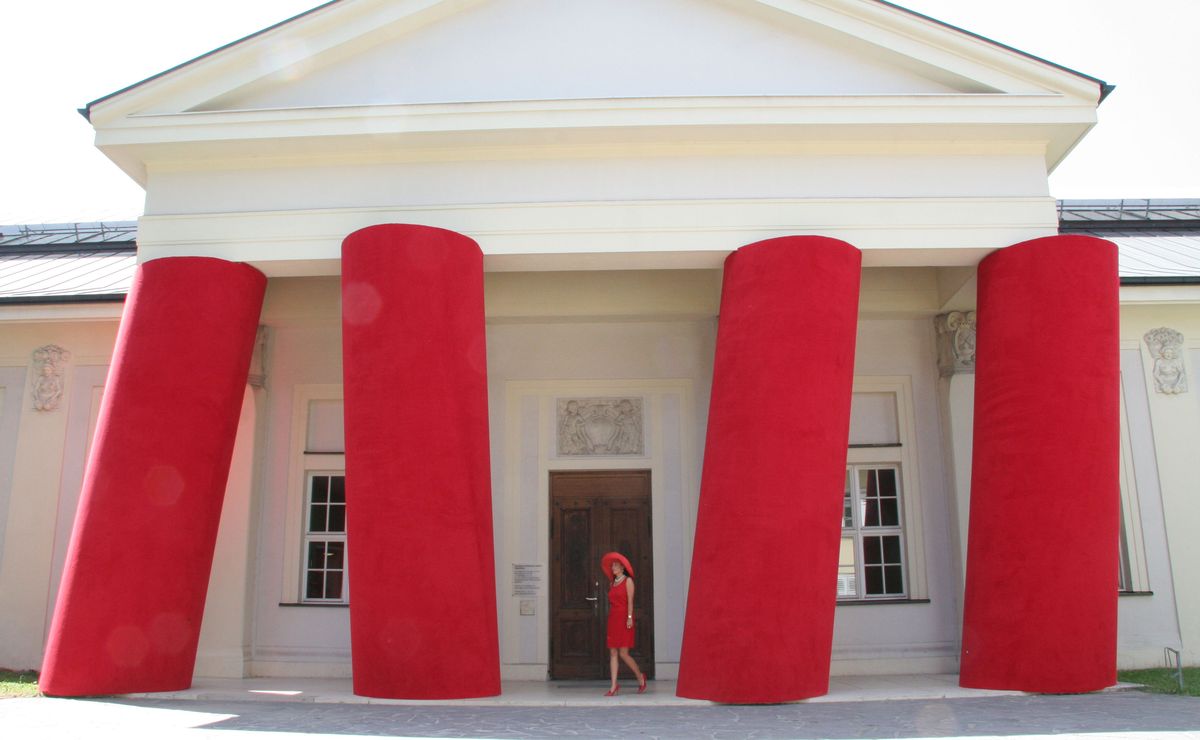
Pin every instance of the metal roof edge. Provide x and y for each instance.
(1105, 87)
(1161, 280)
(86, 111)
(71, 298)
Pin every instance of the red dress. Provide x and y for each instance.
(619, 636)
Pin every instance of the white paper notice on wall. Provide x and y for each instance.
(527, 579)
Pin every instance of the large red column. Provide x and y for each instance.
(1040, 610)
(132, 595)
(759, 624)
(418, 477)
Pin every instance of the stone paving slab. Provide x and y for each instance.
(1104, 716)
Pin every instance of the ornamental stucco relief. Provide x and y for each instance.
(600, 426)
(1166, 347)
(257, 377)
(956, 342)
(49, 362)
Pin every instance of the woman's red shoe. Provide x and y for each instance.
(613, 691)
(642, 685)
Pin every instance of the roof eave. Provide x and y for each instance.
(86, 111)
(1104, 88)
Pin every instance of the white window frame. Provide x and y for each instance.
(310, 537)
(302, 465)
(904, 458)
(858, 530)
(1133, 568)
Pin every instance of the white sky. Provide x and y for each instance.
(57, 56)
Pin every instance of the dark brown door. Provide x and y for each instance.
(593, 512)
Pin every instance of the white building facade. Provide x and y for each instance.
(606, 161)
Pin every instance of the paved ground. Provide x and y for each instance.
(1131, 715)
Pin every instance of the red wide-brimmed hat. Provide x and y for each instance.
(607, 561)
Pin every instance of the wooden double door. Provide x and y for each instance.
(593, 512)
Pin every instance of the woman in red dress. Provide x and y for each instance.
(620, 619)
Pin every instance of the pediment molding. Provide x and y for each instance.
(343, 28)
(1013, 97)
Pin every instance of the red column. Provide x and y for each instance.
(759, 624)
(418, 477)
(136, 575)
(1040, 610)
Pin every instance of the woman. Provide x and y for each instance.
(620, 619)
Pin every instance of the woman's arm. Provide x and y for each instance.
(629, 591)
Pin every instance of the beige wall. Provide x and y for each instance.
(574, 331)
(46, 470)
(1172, 423)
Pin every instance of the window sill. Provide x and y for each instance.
(869, 602)
(314, 604)
(1135, 593)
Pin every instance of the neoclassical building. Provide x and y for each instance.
(437, 302)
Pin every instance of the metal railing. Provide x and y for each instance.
(1168, 654)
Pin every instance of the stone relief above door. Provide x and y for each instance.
(600, 426)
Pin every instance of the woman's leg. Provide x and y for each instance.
(612, 668)
(629, 661)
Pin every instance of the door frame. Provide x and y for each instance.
(644, 650)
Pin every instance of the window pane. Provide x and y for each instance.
(316, 555)
(333, 585)
(874, 577)
(315, 588)
(872, 554)
(889, 512)
(893, 576)
(868, 482)
(337, 489)
(871, 512)
(847, 505)
(337, 518)
(846, 581)
(317, 517)
(891, 550)
(335, 555)
(887, 481)
(873, 419)
(320, 488)
(326, 427)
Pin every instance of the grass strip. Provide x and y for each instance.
(15, 684)
(1163, 681)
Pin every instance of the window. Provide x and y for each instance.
(1132, 573)
(882, 555)
(871, 562)
(325, 539)
(314, 559)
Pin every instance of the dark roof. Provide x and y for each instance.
(1128, 214)
(1158, 240)
(1158, 243)
(65, 263)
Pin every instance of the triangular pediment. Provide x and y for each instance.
(398, 52)
(508, 50)
(353, 76)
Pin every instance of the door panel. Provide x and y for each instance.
(594, 512)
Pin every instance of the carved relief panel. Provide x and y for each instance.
(49, 363)
(956, 342)
(1166, 347)
(600, 426)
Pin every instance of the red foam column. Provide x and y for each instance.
(759, 623)
(133, 587)
(1040, 609)
(418, 476)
